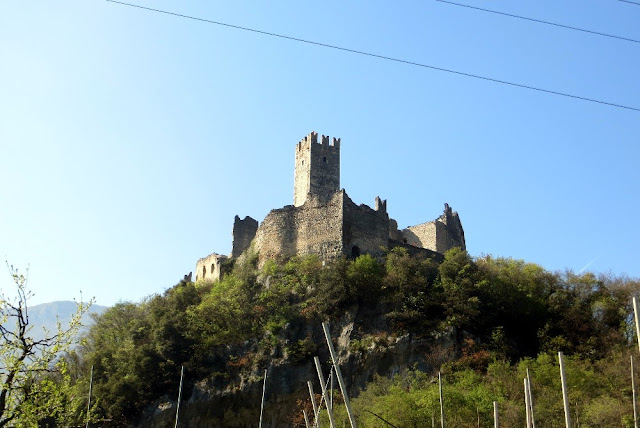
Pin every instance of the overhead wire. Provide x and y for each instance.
(383, 57)
(541, 21)
(632, 2)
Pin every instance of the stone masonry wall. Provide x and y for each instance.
(365, 230)
(320, 227)
(394, 233)
(277, 235)
(209, 268)
(314, 228)
(455, 231)
(327, 229)
(243, 233)
(422, 235)
(342, 227)
(439, 235)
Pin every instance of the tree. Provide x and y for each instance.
(28, 365)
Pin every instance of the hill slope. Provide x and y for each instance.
(398, 315)
(387, 315)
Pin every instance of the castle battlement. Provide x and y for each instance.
(381, 205)
(311, 142)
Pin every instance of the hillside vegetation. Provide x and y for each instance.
(506, 315)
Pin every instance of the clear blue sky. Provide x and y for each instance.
(130, 139)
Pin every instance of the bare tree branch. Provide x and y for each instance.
(22, 358)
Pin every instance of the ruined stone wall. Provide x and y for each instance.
(320, 227)
(394, 233)
(277, 235)
(327, 229)
(439, 235)
(365, 230)
(422, 235)
(455, 231)
(314, 228)
(210, 268)
(243, 233)
(317, 169)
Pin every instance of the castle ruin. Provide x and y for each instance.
(323, 220)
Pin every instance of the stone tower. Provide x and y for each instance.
(317, 169)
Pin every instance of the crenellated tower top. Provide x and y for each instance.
(317, 168)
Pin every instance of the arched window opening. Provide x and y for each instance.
(212, 268)
(355, 251)
(204, 271)
(324, 159)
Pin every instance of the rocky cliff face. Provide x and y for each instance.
(362, 340)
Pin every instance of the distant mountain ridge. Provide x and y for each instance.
(45, 316)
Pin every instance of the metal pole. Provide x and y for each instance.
(441, 403)
(496, 424)
(533, 420)
(331, 387)
(565, 398)
(326, 385)
(313, 402)
(179, 396)
(526, 403)
(324, 391)
(343, 388)
(91, 390)
(635, 315)
(264, 387)
(633, 389)
(306, 419)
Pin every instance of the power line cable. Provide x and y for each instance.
(632, 2)
(417, 64)
(541, 21)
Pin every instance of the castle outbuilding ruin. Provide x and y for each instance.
(323, 220)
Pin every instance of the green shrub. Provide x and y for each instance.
(301, 351)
